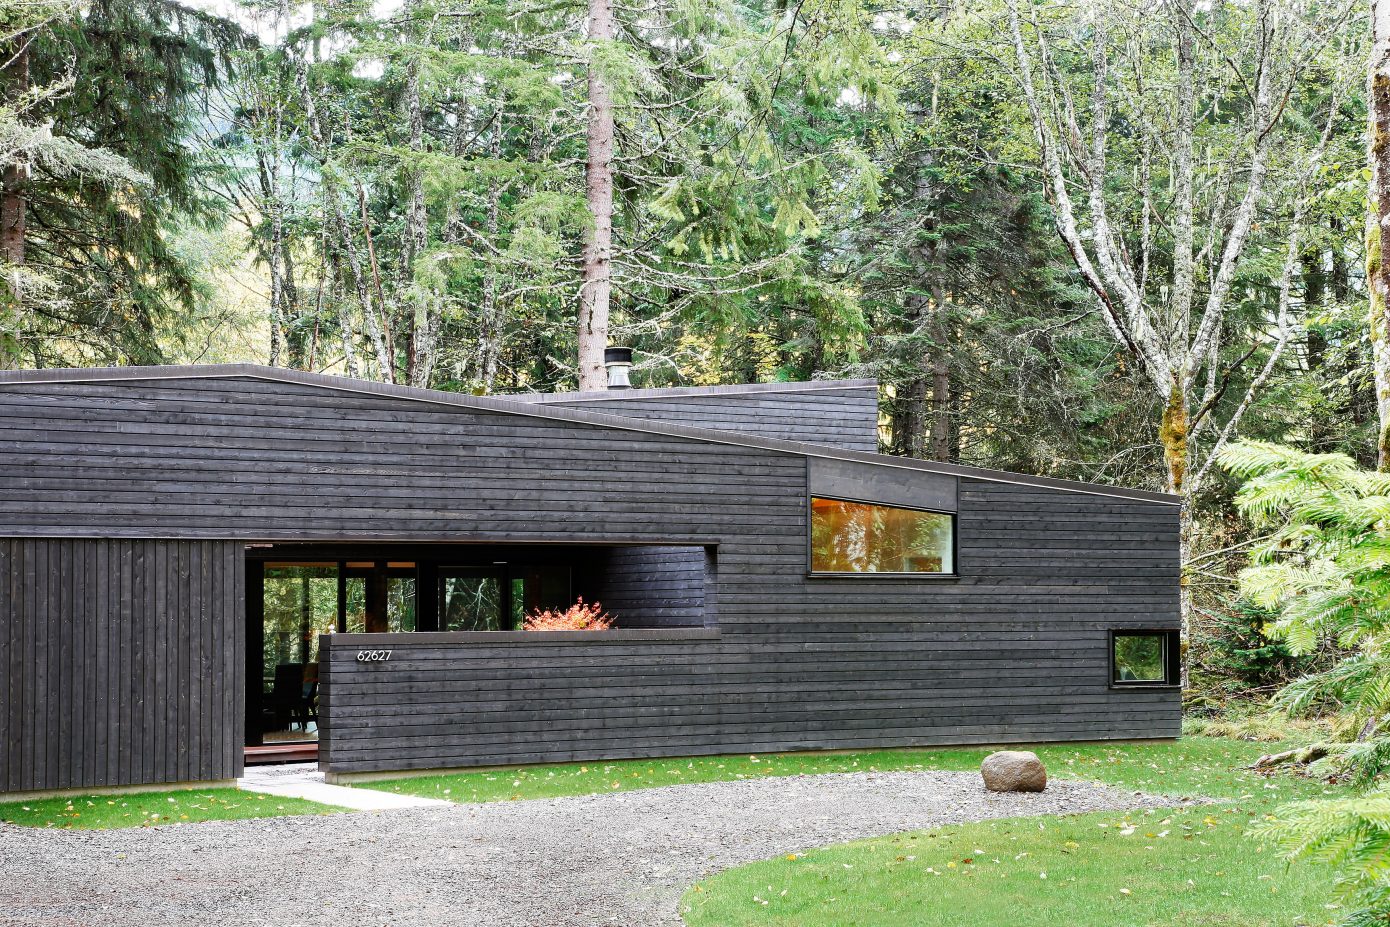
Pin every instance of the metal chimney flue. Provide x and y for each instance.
(618, 362)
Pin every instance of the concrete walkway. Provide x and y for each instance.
(303, 780)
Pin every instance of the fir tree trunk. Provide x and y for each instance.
(942, 444)
(909, 422)
(597, 290)
(271, 252)
(1322, 430)
(1378, 219)
(910, 407)
(346, 329)
(13, 207)
(378, 329)
(297, 347)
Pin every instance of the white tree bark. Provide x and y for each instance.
(1378, 218)
(596, 293)
(1158, 331)
(490, 334)
(424, 317)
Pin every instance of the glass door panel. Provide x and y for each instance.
(539, 586)
(400, 603)
(355, 604)
(471, 600)
(299, 604)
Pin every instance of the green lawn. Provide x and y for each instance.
(148, 809)
(1194, 766)
(1164, 868)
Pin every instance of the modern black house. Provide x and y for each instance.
(206, 566)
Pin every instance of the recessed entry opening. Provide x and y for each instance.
(297, 594)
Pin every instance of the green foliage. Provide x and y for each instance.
(1352, 834)
(1230, 649)
(1325, 564)
(1325, 561)
(104, 199)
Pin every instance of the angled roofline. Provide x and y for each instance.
(546, 410)
(686, 392)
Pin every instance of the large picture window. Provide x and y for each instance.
(1144, 658)
(860, 537)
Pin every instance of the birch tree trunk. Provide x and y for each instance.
(490, 336)
(596, 293)
(1378, 219)
(1157, 333)
(421, 350)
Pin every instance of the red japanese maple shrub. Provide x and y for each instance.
(578, 617)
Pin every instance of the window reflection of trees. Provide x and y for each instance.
(472, 603)
(300, 603)
(857, 537)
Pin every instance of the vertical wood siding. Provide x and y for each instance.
(119, 662)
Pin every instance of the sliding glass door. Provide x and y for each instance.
(299, 604)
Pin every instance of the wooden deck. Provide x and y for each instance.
(282, 753)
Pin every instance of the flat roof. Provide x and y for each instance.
(541, 405)
(685, 392)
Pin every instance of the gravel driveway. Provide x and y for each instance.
(616, 860)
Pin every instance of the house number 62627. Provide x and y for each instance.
(373, 656)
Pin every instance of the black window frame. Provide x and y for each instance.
(813, 573)
(1172, 658)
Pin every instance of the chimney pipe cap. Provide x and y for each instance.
(618, 361)
(617, 356)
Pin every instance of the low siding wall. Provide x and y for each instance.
(120, 662)
(491, 698)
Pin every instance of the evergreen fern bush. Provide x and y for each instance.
(1325, 567)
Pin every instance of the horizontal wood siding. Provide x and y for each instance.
(1012, 650)
(652, 587)
(845, 417)
(119, 662)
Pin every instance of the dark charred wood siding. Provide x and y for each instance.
(120, 662)
(653, 587)
(843, 416)
(1014, 649)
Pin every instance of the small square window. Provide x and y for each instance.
(1144, 658)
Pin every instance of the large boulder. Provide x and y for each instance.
(1014, 771)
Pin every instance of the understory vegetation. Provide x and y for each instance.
(153, 809)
